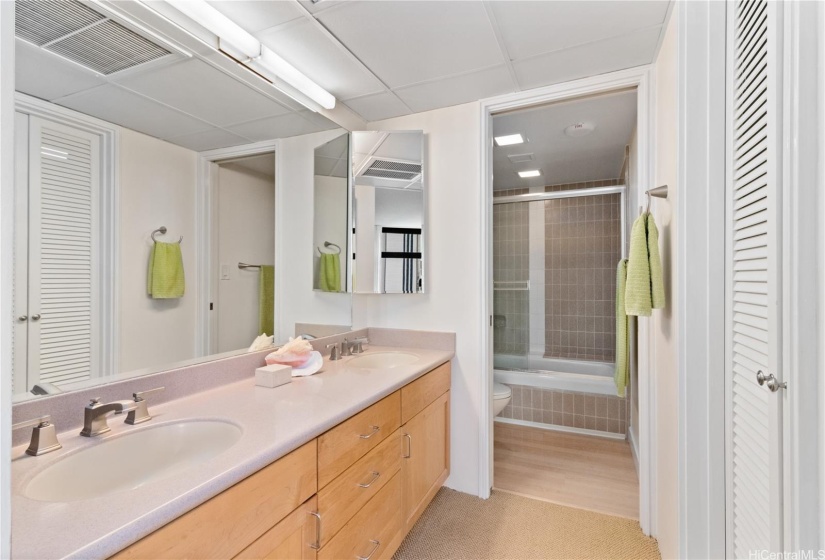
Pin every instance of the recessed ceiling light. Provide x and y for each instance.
(529, 173)
(509, 140)
(579, 129)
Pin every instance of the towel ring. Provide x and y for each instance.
(162, 230)
(327, 244)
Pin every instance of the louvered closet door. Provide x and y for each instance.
(63, 191)
(754, 415)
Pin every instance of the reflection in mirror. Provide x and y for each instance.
(388, 208)
(330, 210)
(114, 248)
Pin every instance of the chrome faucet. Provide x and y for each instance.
(335, 352)
(94, 415)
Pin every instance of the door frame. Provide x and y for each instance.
(641, 79)
(205, 208)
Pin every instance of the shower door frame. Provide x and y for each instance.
(640, 79)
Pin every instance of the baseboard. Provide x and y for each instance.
(557, 428)
(634, 448)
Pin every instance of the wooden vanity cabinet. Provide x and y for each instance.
(355, 491)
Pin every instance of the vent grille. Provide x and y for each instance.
(386, 169)
(74, 31)
(44, 21)
(520, 158)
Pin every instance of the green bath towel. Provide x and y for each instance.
(266, 300)
(330, 273)
(165, 279)
(645, 288)
(620, 375)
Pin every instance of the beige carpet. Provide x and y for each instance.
(507, 526)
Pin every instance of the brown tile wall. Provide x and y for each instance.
(605, 413)
(582, 248)
(511, 302)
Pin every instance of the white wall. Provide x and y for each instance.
(453, 270)
(330, 221)
(6, 253)
(663, 324)
(294, 180)
(246, 215)
(157, 188)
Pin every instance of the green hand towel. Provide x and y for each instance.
(645, 288)
(657, 285)
(266, 300)
(165, 279)
(620, 374)
(330, 273)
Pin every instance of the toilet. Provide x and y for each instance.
(501, 397)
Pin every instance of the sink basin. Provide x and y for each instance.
(383, 360)
(130, 461)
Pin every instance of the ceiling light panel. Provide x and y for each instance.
(529, 173)
(509, 140)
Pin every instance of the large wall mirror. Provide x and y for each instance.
(389, 217)
(118, 268)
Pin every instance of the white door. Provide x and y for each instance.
(57, 255)
(754, 394)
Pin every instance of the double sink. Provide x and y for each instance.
(131, 460)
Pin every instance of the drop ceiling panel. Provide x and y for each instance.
(119, 106)
(592, 59)
(209, 140)
(284, 126)
(561, 158)
(457, 89)
(205, 92)
(47, 76)
(406, 42)
(257, 15)
(378, 107)
(306, 47)
(567, 24)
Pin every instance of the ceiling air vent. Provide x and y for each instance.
(82, 35)
(388, 169)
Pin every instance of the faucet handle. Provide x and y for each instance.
(358, 343)
(44, 436)
(140, 413)
(335, 353)
(141, 395)
(346, 348)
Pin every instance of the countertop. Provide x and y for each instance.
(274, 422)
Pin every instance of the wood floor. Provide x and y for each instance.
(587, 472)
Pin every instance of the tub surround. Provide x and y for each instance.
(274, 423)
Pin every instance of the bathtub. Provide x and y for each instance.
(551, 373)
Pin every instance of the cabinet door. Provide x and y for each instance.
(291, 539)
(426, 461)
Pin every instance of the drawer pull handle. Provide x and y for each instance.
(409, 446)
(375, 475)
(375, 430)
(317, 544)
(375, 546)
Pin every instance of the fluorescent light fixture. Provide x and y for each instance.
(509, 140)
(241, 45)
(529, 173)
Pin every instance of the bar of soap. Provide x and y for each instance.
(273, 376)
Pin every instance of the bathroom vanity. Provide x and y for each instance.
(336, 465)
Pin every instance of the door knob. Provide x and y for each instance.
(36, 317)
(23, 318)
(770, 381)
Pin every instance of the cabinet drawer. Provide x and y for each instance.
(235, 518)
(350, 440)
(344, 496)
(418, 395)
(374, 532)
(291, 539)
